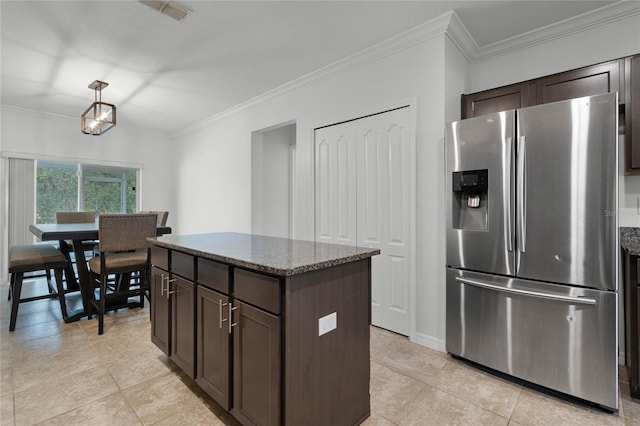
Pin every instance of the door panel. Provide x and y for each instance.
(476, 144)
(557, 336)
(336, 185)
(256, 366)
(500, 99)
(160, 310)
(587, 81)
(214, 341)
(383, 213)
(183, 325)
(363, 172)
(570, 192)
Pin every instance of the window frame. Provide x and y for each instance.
(81, 164)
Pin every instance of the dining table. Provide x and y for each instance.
(77, 233)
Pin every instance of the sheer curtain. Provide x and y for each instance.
(19, 210)
(22, 200)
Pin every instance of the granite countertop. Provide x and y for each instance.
(630, 240)
(279, 256)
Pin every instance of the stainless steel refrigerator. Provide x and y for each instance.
(532, 244)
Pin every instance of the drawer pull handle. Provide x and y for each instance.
(231, 323)
(558, 297)
(162, 285)
(221, 305)
(169, 286)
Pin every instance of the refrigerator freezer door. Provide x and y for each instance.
(557, 336)
(567, 171)
(481, 225)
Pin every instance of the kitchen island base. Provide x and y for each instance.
(271, 346)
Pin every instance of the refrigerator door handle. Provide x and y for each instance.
(506, 188)
(558, 297)
(521, 210)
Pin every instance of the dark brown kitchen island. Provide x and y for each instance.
(275, 330)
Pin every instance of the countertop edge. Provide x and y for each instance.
(264, 268)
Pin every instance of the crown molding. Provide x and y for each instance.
(428, 30)
(605, 15)
(35, 111)
(458, 33)
(449, 25)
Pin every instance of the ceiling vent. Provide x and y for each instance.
(169, 8)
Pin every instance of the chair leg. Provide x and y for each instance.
(92, 297)
(16, 285)
(142, 287)
(49, 284)
(102, 305)
(61, 298)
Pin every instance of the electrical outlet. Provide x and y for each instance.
(327, 323)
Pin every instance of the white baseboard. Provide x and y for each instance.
(429, 341)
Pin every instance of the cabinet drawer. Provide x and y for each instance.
(160, 257)
(214, 275)
(259, 290)
(182, 264)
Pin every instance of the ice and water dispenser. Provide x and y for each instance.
(470, 209)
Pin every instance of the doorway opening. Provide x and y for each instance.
(273, 180)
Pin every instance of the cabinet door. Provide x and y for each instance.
(160, 310)
(183, 324)
(213, 342)
(500, 99)
(256, 366)
(588, 81)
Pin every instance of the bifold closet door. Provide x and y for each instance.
(362, 183)
(335, 184)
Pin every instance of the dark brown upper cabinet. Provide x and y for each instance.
(587, 81)
(620, 75)
(501, 99)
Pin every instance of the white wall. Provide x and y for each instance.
(596, 44)
(30, 134)
(270, 181)
(219, 155)
(205, 182)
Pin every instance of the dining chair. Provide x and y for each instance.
(163, 215)
(76, 217)
(32, 258)
(124, 249)
(162, 221)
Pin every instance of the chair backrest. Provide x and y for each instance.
(75, 217)
(125, 232)
(162, 216)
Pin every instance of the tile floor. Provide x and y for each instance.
(65, 374)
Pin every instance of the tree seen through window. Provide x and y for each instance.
(104, 189)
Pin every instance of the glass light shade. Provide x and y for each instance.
(98, 118)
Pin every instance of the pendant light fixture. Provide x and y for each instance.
(100, 116)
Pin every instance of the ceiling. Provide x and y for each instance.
(167, 75)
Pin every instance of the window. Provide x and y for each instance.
(108, 189)
(56, 190)
(83, 187)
